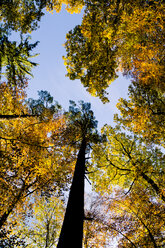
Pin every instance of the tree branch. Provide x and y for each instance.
(14, 116)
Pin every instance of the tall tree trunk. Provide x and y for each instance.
(72, 229)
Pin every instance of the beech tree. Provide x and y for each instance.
(114, 35)
(24, 16)
(42, 230)
(143, 113)
(132, 219)
(125, 160)
(117, 35)
(32, 156)
(39, 145)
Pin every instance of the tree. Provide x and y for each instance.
(24, 16)
(43, 228)
(143, 113)
(82, 125)
(125, 160)
(14, 62)
(95, 232)
(141, 218)
(32, 156)
(21, 15)
(10, 241)
(90, 60)
(117, 35)
(132, 219)
(38, 144)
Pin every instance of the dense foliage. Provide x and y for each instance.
(117, 35)
(40, 143)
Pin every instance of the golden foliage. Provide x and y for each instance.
(31, 153)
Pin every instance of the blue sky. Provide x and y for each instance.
(50, 74)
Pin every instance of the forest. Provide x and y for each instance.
(47, 153)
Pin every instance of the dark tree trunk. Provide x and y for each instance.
(72, 229)
(154, 185)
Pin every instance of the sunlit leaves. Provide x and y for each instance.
(15, 61)
(134, 219)
(70, 5)
(117, 35)
(124, 160)
(144, 113)
(24, 16)
(91, 61)
(11, 99)
(141, 47)
(32, 156)
(38, 152)
(21, 15)
(42, 229)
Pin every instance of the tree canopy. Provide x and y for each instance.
(117, 35)
(24, 16)
(43, 228)
(124, 160)
(144, 113)
(41, 144)
(31, 155)
(15, 64)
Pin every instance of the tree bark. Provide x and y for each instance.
(72, 229)
(154, 185)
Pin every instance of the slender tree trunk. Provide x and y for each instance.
(72, 229)
(47, 234)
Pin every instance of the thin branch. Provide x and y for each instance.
(26, 143)
(87, 180)
(126, 152)
(130, 187)
(119, 168)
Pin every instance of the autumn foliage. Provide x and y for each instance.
(39, 141)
